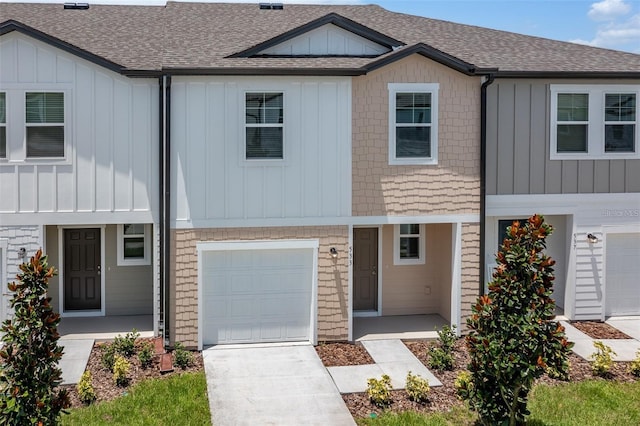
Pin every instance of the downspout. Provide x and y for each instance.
(165, 208)
(161, 255)
(483, 175)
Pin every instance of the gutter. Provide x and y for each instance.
(165, 206)
(483, 176)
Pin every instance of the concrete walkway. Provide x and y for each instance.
(625, 349)
(391, 357)
(271, 385)
(74, 359)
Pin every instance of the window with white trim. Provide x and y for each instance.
(44, 117)
(408, 244)
(413, 123)
(594, 122)
(134, 245)
(264, 121)
(3, 125)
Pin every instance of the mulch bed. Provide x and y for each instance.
(341, 354)
(599, 330)
(102, 379)
(443, 398)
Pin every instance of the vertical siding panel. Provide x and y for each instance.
(84, 131)
(65, 70)
(9, 189)
(46, 188)
(178, 143)
(9, 61)
(195, 148)
(26, 62)
(254, 189)
(506, 98)
(539, 139)
(46, 61)
(617, 175)
(26, 185)
(296, 137)
(216, 150)
(601, 176)
(344, 142)
(310, 123)
(141, 149)
(329, 152)
(632, 175)
(569, 177)
(104, 140)
(493, 123)
(522, 142)
(273, 197)
(234, 148)
(121, 160)
(585, 176)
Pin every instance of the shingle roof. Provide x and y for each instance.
(202, 36)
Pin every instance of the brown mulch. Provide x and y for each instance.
(102, 379)
(599, 330)
(340, 354)
(443, 398)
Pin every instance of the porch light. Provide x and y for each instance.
(334, 252)
(22, 253)
(592, 238)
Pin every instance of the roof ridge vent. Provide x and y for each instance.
(271, 6)
(76, 6)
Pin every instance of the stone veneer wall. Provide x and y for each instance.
(470, 281)
(333, 275)
(450, 187)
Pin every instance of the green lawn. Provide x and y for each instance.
(590, 403)
(177, 400)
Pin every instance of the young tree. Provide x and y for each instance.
(513, 339)
(29, 375)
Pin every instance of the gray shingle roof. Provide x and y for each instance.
(203, 35)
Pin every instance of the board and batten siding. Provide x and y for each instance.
(213, 185)
(518, 132)
(111, 123)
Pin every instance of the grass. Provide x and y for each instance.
(594, 403)
(177, 400)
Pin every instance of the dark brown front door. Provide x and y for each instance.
(82, 269)
(365, 269)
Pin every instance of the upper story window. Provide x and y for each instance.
(44, 117)
(3, 125)
(594, 122)
(413, 123)
(134, 244)
(264, 122)
(408, 244)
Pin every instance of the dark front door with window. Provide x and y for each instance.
(365, 269)
(82, 269)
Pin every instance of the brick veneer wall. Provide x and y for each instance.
(332, 275)
(450, 187)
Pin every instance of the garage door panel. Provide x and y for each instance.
(623, 274)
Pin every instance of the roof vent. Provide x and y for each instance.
(76, 6)
(271, 6)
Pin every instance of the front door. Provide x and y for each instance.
(365, 269)
(82, 269)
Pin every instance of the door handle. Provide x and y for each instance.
(99, 269)
(374, 272)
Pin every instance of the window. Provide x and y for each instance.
(44, 113)
(413, 123)
(408, 244)
(264, 126)
(594, 122)
(133, 244)
(3, 125)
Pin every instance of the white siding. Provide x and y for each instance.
(212, 183)
(112, 148)
(589, 283)
(327, 40)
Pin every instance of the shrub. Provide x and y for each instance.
(121, 370)
(108, 356)
(463, 384)
(146, 354)
(379, 391)
(29, 372)
(513, 339)
(85, 388)
(447, 338)
(441, 357)
(182, 357)
(602, 360)
(126, 346)
(634, 367)
(417, 387)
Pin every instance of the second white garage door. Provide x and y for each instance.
(257, 295)
(623, 274)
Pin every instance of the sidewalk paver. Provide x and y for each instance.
(625, 349)
(74, 359)
(628, 325)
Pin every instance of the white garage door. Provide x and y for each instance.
(623, 274)
(251, 296)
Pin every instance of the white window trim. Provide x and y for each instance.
(396, 247)
(146, 260)
(431, 88)
(596, 124)
(261, 161)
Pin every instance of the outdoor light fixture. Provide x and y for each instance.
(592, 238)
(22, 253)
(334, 252)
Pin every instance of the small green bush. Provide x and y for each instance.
(439, 359)
(126, 346)
(379, 391)
(85, 388)
(108, 356)
(634, 367)
(447, 338)
(146, 354)
(602, 360)
(417, 387)
(121, 370)
(463, 384)
(181, 357)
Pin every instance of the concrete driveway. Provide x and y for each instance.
(271, 385)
